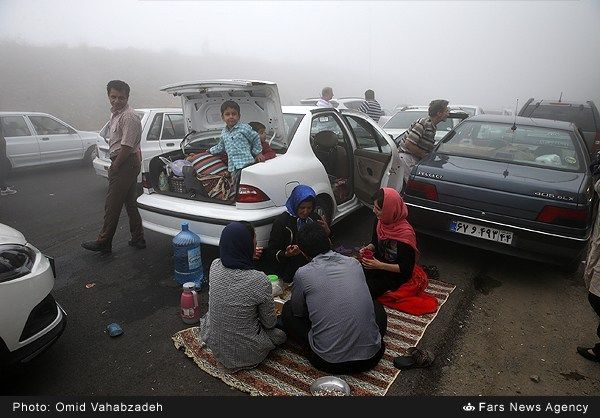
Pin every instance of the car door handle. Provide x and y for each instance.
(170, 144)
(45, 138)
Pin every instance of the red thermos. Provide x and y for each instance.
(190, 308)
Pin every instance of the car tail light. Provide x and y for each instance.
(250, 194)
(421, 189)
(574, 218)
(146, 181)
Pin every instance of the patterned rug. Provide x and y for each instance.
(287, 373)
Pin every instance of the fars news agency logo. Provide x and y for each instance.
(468, 407)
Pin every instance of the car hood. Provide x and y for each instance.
(10, 235)
(201, 102)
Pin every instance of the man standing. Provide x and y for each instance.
(326, 96)
(371, 106)
(124, 145)
(4, 166)
(419, 139)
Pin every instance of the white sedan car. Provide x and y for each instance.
(30, 318)
(162, 131)
(402, 120)
(38, 138)
(343, 155)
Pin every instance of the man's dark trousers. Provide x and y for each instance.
(122, 191)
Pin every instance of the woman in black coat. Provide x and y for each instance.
(282, 256)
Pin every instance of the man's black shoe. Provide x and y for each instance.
(139, 244)
(96, 246)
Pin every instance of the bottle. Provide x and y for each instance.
(163, 182)
(190, 308)
(276, 288)
(187, 259)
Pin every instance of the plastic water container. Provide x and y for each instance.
(190, 308)
(187, 259)
(276, 288)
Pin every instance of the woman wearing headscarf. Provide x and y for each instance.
(239, 326)
(392, 275)
(282, 256)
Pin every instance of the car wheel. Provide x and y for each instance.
(323, 208)
(90, 154)
(574, 268)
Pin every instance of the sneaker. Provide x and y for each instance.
(96, 246)
(7, 191)
(140, 244)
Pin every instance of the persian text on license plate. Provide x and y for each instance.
(484, 232)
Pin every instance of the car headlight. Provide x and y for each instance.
(15, 261)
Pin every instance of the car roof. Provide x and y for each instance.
(298, 109)
(520, 120)
(20, 112)
(586, 103)
(159, 109)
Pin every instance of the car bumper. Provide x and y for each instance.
(30, 318)
(526, 243)
(164, 214)
(101, 166)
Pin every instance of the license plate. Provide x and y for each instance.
(492, 234)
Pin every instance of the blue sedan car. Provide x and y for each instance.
(517, 186)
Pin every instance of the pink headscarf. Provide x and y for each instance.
(392, 223)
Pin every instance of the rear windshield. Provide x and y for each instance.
(527, 145)
(579, 115)
(404, 119)
(291, 122)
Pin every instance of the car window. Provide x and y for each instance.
(403, 119)
(14, 126)
(48, 126)
(290, 122)
(173, 126)
(154, 132)
(527, 145)
(367, 137)
(581, 116)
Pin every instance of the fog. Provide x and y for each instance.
(57, 55)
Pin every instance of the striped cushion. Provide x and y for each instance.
(207, 164)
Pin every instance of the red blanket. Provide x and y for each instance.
(411, 297)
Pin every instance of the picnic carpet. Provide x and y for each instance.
(286, 372)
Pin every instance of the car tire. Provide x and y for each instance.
(90, 154)
(323, 207)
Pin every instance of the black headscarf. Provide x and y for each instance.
(236, 247)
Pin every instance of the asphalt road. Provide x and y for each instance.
(499, 303)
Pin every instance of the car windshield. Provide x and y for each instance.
(403, 119)
(527, 145)
(579, 115)
(202, 141)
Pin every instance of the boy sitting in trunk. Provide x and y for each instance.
(261, 129)
(239, 141)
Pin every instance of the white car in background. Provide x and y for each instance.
(30, 318)
(34, 138)
(162, 131)
(343, 155)
(402, 120)
(339, 103)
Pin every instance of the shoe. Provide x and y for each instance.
(96, 246)
(588, 353)
(140, 244)
(7, 191)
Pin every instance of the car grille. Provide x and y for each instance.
(40, 317)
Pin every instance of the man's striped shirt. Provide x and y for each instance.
(421, 133)
(372, 109)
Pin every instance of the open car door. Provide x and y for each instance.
(375, 157)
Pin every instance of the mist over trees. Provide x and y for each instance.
(70, 82)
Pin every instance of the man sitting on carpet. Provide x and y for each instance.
(331, 313)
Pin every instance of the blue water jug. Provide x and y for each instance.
(187, 259)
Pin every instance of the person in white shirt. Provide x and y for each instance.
(326, 96)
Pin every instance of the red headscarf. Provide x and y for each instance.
(392, 223)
